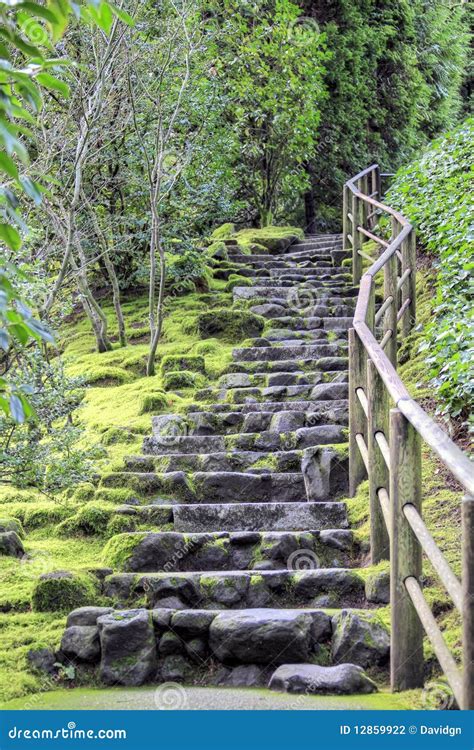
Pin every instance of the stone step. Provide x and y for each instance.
(273, 353)
(328, 587)
(234, 647)
(307, 272)
(336, 389)
(169, 551)
(257, 516)
(336, 284)
(268, 380)
(279, 308)
(280, 335)
(298, 296)
(212, 486)
(294, 322)
(230, 423)
(304, 437)
(253, 461)
(321, 407)
(322, 368)
(266, 262)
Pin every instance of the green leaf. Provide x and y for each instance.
(8, 166)
(16, 409)
(10, 236)
(53, 83)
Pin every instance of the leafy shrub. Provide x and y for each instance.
(62, 591)
(434, 193)
(187, 272)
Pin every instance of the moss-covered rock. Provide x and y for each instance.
(178, 362)
(237, 280)
(62, 591)
(223, 232)
(12, 524)
(273, 239)
(116, 435)
(153, 402)
(119, 549)
(231, 325)
(176, 380)
(90, 520)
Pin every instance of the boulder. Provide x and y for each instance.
(11, 544)
(359, 638)
(174, 668)
(43, 660)
(192, 622)
(377, 587)
(249, 675)
(261, 636)
(197, 649)
(286, 421)
(312, 679)
(170, 644)
(128, 650)
(86, 615)
(81, 642)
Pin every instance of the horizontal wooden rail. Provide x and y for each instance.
(387, 427)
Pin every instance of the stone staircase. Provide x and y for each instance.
(256, 581)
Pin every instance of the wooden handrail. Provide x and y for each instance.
(386, 428)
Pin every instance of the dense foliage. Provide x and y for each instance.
(435, 193)
(394, 81)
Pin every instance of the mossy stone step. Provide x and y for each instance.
(322, 367)
(225, 551)
(269, 380)
(338, 325)
(273, 353)
(328, 587)
(280, 335)
(211, 486)
(317, 408)
(257, 516)
(253, 461)
(325, 391)
(286, 420)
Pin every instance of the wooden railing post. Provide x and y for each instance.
(356, 240)
(406, 653)
(390, 317)
(345, 218)
(357, 418)
(468, 601)
(378, 409)
(409, 287)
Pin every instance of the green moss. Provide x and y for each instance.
(178, 363)
(237, 280)
(120, 548)
(270, 238)
(12, 524)
(177, 380)
(91, 519)
(230, 325)
(153, 402)
(61, 593)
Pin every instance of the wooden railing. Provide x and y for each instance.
(386, 430)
